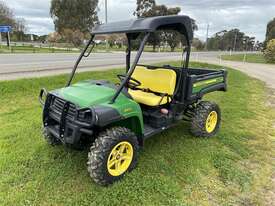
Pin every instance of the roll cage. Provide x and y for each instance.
(132, 29)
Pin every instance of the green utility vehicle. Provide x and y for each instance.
(115, 119)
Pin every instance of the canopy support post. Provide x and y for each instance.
(184, 71)
(187, 56)
(79, 60)
(131, 71)
(128, 53)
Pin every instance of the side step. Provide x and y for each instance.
(150, 131)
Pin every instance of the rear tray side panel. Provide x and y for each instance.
(201, 84)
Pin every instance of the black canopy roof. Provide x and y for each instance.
(182, 24)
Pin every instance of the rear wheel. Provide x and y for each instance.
(113, 153)
(206, 119)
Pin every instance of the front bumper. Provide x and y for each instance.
(61, 119)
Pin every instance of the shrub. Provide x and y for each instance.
(269, 52)
(76, 37)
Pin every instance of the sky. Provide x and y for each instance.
(250, 16)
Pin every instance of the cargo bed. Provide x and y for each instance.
(203, 81)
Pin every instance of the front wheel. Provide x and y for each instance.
(113, 153)
(206, 120)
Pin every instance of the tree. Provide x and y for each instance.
(74, 14)
(144, 8)
(173, 38)
(116, 40)
(6, 15)
(259, 46)
(270, 31)
(54, 37)
(18, 25)
(149, 8)
(75, 37)
(77, 16)
(198, 44)
(231, 40)
(269, 52)
(19, 29)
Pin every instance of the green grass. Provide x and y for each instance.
(103, 48)
(251, 58)
(174, 168)
(32, 49)
(98, 48)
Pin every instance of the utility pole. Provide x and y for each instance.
(106, 21)
(106, 12)
(207, 33)
(8, 39)
(245, 41)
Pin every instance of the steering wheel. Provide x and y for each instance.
(132, 82)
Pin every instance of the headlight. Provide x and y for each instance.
(85, 115)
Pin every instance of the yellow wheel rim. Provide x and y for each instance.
(211, 121)
(120, 158)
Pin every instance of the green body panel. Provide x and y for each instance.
(198, 86)
(85, 95)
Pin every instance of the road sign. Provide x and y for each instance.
(5, 29)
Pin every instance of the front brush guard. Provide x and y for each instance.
(42, 96)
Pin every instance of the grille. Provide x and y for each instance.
(57, 105)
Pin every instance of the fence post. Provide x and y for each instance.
(244, 58)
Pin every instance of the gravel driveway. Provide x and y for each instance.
(264, 72)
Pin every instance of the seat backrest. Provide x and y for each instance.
(157, 80)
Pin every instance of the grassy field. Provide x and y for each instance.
(32, 49)
(233, 168)
(251, 58)
(98, 48)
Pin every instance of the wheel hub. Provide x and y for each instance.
(211, 121)
(120, 158)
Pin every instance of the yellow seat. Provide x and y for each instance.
(147, 98)
(161, 81)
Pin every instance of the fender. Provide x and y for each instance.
(106, 115)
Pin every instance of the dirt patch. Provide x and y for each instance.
(271, 98)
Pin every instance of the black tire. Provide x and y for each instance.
(199, 120)
(50, 139)
(101, 149)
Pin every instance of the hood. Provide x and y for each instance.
(85, 94)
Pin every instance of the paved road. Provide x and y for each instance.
(14, 66)
(32, 65)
